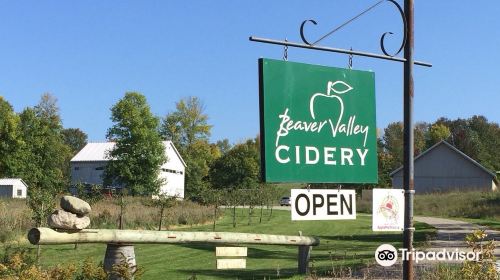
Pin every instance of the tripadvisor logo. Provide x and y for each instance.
(387, 255)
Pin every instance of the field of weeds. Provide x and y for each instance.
(16, 216)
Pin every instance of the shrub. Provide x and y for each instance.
(18, 263)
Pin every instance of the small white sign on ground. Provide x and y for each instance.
(231, 262)
(388, 210)
(231, 251)
(317, 204)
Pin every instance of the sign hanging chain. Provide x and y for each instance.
(285, 51)
(350, 60)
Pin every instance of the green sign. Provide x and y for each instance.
(317, 123)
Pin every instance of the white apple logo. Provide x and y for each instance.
(331, 87)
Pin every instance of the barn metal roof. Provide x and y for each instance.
(94, 152)
(98, 151)
(11, 181)
(442, 142)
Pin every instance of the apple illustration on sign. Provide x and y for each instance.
(338, 88)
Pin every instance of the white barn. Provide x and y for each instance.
(87, 167)
(13, 188)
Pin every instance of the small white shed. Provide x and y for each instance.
(87, 167)
(13, 188)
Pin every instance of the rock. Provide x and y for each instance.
(75, 205)
(65, 220)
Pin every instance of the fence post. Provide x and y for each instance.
(303, 258)
(121, 255)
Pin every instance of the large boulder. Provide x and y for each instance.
(61, 219)
(75, 205)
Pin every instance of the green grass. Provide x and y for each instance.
(343, 243)
(464, 204)
(490, 223)
(482, 208)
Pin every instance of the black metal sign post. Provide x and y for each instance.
(408, 141)
(407, 44)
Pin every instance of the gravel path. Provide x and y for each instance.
(451, 233)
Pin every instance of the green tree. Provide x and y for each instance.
(45, 157)
(187, 127)
(239, 167)
(463, 137)
(393, 141)
(437, 133)
(10, 141)
(420, 132)
(139, 151)
(162, 202)
(385, 166)
(223, 145)
(187, 124)
(75, 139)
(216, 198)
(489, 135)
(44, 153)
(198, 157)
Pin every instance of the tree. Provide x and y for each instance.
(223, 145)
(437, 133)
(216, 198)
(198, 157)
(420, 132)
(48, 110)
(187, 127)
(489, 133)
(10, 141)
(44, 153)
(393, 141)
(385, 166)
(139, 151)
(187, 124)
(239, 167)
(463, 137)
(162, 201)
(75, 139)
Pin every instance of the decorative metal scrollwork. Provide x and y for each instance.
(403, 43)
(302, 30)
(382, 38)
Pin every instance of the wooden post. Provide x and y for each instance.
(303, 259)
(119, 254)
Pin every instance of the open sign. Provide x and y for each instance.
(323, 204)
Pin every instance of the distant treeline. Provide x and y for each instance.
(476, 137)
(36, 147)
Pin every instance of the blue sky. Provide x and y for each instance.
(89, 53)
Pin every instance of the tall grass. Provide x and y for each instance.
(471, 204)
(16, 217)
(465, 204)
(139, 214)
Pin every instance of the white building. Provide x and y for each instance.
(13, 188)
(87, 167)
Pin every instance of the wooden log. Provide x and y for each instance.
(45, 236)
